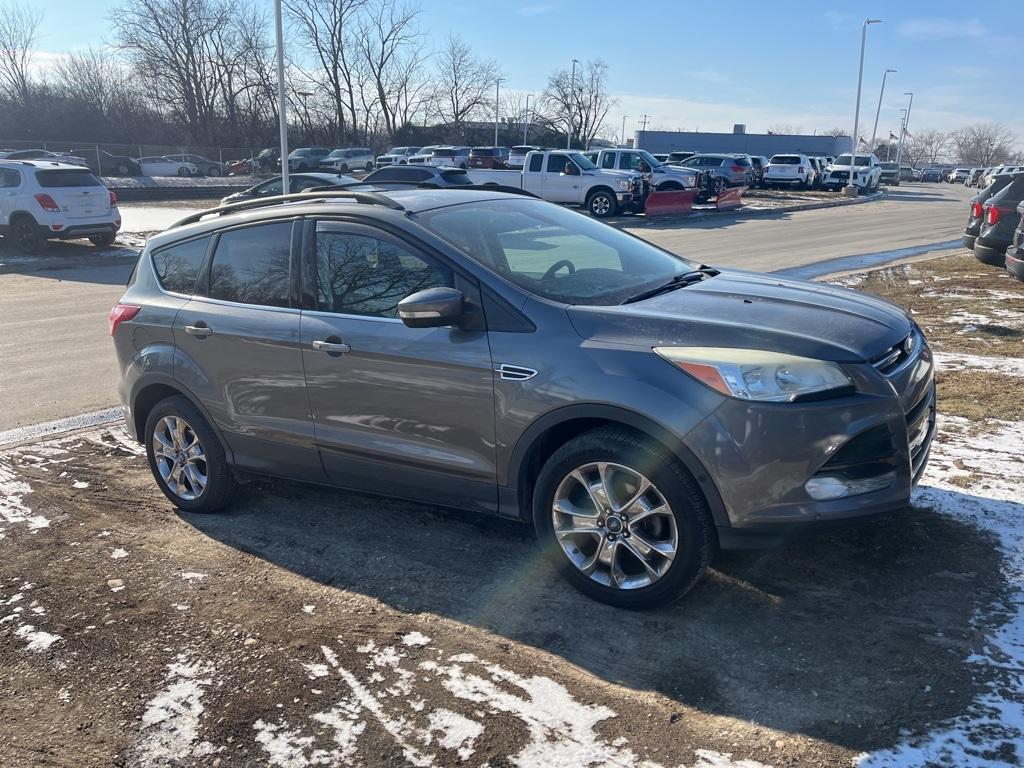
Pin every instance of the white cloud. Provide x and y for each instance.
(941, 28)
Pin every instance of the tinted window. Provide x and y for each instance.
(556, 163)
(785, 160)
(302, 183)
(444, 153)
(272, 187)
(9, 179)
(742, 162)
(608, 160)
(362, 275)
(250, 265)
(178, 267)
(484, 152)
(400, 173)
(82, 178)
(536, 162)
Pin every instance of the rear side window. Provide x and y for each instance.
(363, 275)
(67, 178)
(742, 162)
(178, 267)
(457, 177)
(535, 163)
(9, 179)
(251, 265)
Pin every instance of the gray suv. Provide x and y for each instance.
(493, 352)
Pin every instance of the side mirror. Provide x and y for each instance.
(431, 308)
(571, 170)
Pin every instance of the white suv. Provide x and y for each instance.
(789, 171)
(867, 173)
(41, 200)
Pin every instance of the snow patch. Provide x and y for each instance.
(456, 731)
(170, 724)
(80, 484)
(193, 576)
(956, 361)
(36, 639)
(415, 639)
(119, 553)
(13, 509)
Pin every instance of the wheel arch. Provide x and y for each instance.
(554, 429)
(147, 393)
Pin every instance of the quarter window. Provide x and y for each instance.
(9, 179)
(535, 163)
(251, 265)
(178, 267)
(364, 275)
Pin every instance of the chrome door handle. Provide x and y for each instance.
(198, 330)
(334, 347)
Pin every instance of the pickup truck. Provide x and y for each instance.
(662, 177)
(567, 176)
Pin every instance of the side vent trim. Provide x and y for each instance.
(514, 372)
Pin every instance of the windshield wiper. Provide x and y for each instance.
(681, 280)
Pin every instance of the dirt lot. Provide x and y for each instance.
(311, 628)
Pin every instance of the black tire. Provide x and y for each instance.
(369, 167)
(121, 169)
(343, 168)
(220, 486)
(26, 234)
(214, 171)
(601, 204)
(102, 241)
(183, 172)
(697, 542)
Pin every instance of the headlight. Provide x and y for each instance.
(753, 374)
(624, 185)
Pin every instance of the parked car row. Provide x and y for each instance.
(995, 221)
(106, 164)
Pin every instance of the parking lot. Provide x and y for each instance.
(307, 627)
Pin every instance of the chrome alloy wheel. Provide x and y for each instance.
(601, 205)
(614, 525)
(180, 458)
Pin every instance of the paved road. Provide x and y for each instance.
(56, 359)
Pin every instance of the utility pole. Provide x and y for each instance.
(643, 123)
(526, 118)
(850, 189)
(874, 131)
(282, 115)
(622, 137)
(497, 108)
(572, 103)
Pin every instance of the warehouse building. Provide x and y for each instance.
(740, 141)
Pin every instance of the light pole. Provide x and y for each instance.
(526, 118)
(282, 115)
(874, 131)
(572, 99)
(497, 109)
(622, 137)
(903, 119)
(906, 125)
(851, 190)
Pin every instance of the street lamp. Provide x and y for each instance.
(906, 125)
(572, 95)
(622, 136)
(874, 131)
(497, 108)
(282, 116)
(850, 189)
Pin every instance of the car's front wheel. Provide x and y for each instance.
(622, 519)
(602, 204)
(186, 457)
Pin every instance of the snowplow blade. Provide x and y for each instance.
(730, 198)
(670, 203)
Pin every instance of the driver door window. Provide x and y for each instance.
(269, 188)
(560, 187)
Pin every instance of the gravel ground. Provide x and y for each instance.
(307, 627)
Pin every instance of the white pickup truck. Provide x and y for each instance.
(661, 176)
(566, 176)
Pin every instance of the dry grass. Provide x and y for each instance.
(967, 307)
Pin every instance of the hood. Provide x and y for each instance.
(613, 172)
(675, 170)
(755, 311)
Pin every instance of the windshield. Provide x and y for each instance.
(888, 166)
(524, 241)
(444, 153)
(400, 150)
(583, 162)
(845, 160)
(522, 150)
(650, 159)
(338, 153)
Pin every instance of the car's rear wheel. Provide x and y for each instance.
(186, 457)
(121, 169)
(214, 171)
(601, 204)
(102, 240)
(27, 235)
(183, 171)
(622, 519)
(369, 167)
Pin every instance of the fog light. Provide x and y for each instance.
(832, 487)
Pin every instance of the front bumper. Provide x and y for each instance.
(761, 455)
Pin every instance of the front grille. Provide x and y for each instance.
(897, 356)
(840, 175)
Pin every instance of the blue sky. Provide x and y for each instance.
(708, 65)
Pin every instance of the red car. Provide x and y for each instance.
(488, 157)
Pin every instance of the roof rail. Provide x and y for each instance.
(431, 185)
(332, 193)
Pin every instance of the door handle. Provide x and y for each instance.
(332, 345)
(200, 330)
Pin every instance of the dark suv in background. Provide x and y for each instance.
(976, 216)
(488, 157)
(498, 353)
(890, 174)
(1015, 253)
(999, 219)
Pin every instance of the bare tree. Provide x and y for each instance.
(579, 105)
(925, 147)
(327, 27)
(788, 129)
(835, 132)
(463, 83)
(19, 33)
(392, 50)
(983, 144)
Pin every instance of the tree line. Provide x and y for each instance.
(203, 72)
